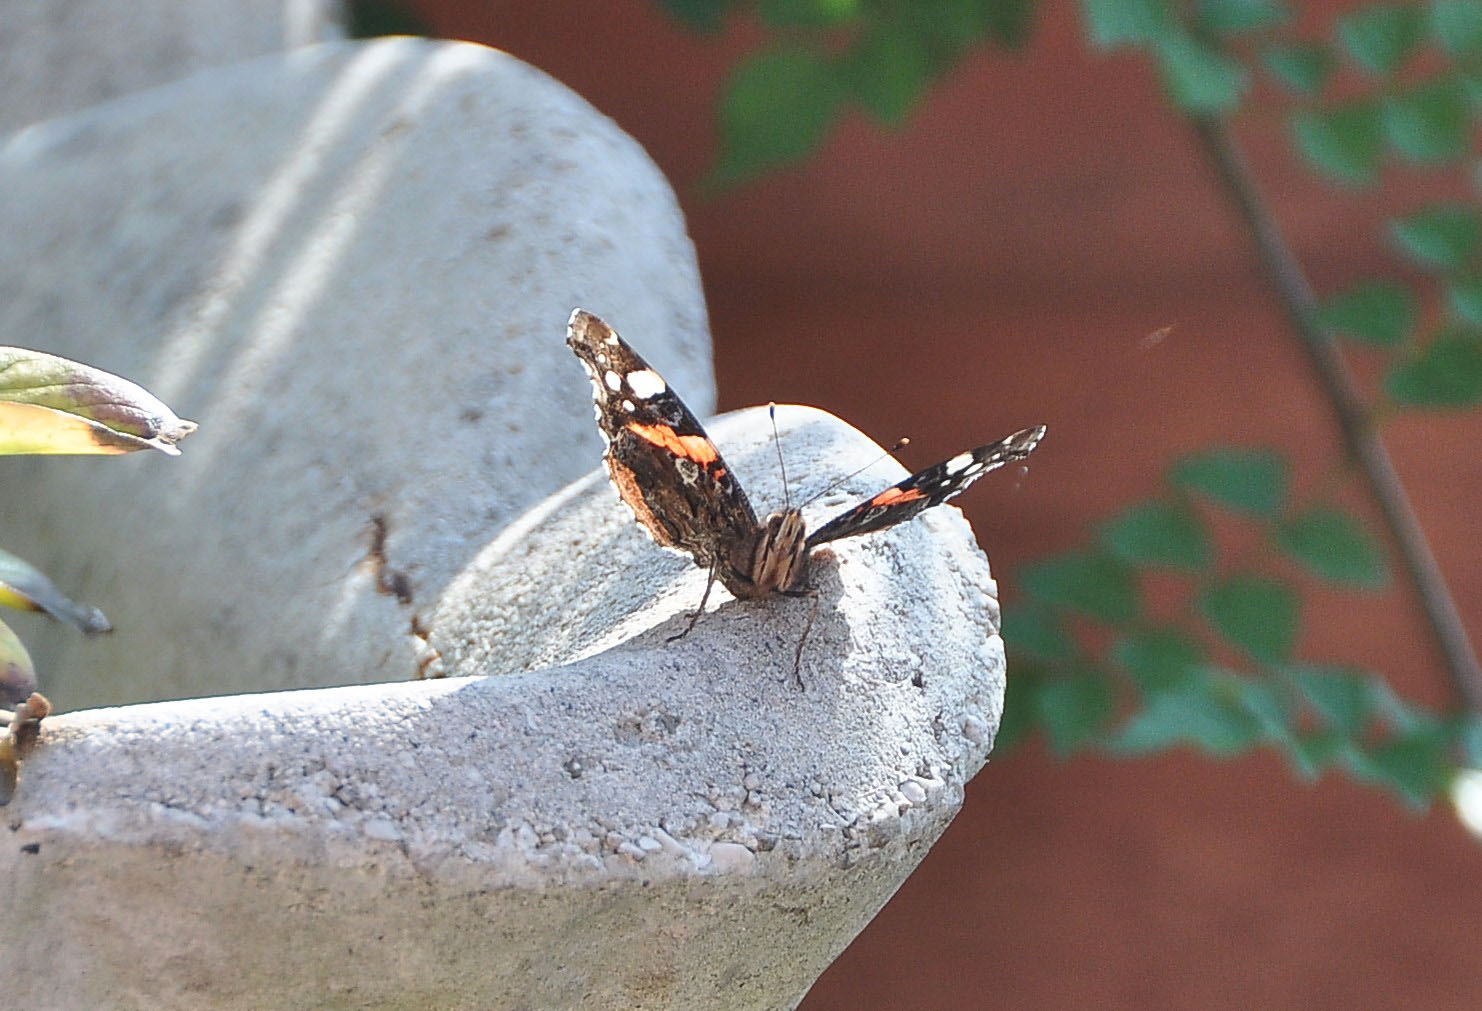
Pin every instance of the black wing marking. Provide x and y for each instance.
(927, 488)
(660, 460)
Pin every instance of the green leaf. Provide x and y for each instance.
(1302, 67)
(1381, 313)
(1158, 659)
(1381, 37)
(888, 70)
(1465, 298)
(706, 16)
(1397, 714)
(1429, 123)
(1203, 713)
(1037, 631)
(370, 19)
(953, 26)
(1229, 17)
(1269, 709)
(1073, 709)
(1447, 373)
(777, 108)
(1415, 766)
(1087, 581)
(1467, 732)
(1311, 752)
(1197, 77)
(1457, 26)
(1471, 86)
(1020, 707)
(1256, 614)
(1158, 533)
(1247, 480)
(1343, 700)
(1440, 235)
(1112, 23)
(1333, 545)
(806, 13)
(1345, 142)
(1010, 22)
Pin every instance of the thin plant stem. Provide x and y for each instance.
(1355, 423)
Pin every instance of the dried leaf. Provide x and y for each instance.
(53, 405)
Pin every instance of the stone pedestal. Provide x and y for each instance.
(352, 265)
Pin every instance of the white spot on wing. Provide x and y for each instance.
(646, 383)
(959, 463)
(613, 380)
(628, 406)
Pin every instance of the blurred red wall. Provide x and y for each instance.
(1001, 261)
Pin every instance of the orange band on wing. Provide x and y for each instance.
(691, 447)
(895, 496)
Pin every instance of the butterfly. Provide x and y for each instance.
(680, 490)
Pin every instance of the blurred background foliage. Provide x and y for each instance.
(1094, 663)
(1207, 661)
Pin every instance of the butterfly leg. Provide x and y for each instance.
(797, 658)
(709, 582)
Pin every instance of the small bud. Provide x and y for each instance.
(26, 588)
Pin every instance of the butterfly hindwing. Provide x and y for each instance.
(661, 461)
(926, 488)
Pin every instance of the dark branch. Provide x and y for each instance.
(1359, 436)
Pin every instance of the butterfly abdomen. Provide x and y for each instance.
(775, 559)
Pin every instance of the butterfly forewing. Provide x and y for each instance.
(663, 464)
(926, 488)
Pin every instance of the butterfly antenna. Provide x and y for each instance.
(902, 444)
(777, 443)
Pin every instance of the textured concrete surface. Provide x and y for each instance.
(58, 56)
(352, 265)
(619, 822)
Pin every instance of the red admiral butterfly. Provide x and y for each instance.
(671, 475)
